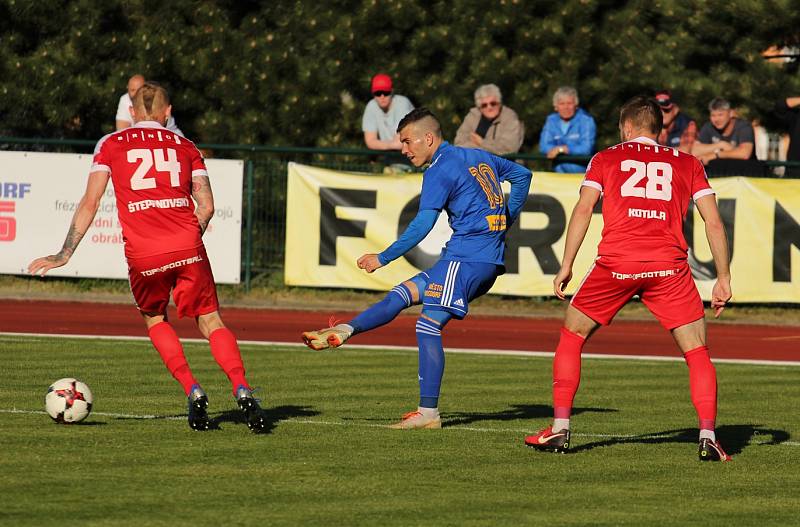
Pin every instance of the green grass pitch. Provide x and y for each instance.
(328, 460)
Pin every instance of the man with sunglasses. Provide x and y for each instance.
(490, 125)
(679, 130)
(382, 115)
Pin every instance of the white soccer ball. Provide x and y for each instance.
(68, 400)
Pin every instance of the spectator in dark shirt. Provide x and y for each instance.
(679, 130)
(788, 110)
(724, 136)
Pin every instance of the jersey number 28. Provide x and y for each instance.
(166, 160)
(659, 179)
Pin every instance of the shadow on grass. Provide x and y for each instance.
(513, 413)
(272, 415)
(734, 438)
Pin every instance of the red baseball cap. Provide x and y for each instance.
(664, 99)
(381, 82)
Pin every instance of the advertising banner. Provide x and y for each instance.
(40, 191)
(334, 217)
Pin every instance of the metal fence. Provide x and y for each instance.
(264, 193)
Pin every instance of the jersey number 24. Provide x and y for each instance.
(165, 160)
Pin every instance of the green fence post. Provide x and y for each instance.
(248, 243)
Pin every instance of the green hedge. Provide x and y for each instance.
(297, 73)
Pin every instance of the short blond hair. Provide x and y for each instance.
(150, 99)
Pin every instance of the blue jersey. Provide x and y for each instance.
(465, 182)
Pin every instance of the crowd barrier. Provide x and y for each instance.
(264, 188)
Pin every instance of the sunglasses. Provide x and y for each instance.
(491, 104)
(381, 93)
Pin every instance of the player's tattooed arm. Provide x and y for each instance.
(201, 192)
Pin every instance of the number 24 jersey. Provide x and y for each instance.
(152, 169)
(646, 191)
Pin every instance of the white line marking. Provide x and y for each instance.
(466, 351)
(317, 422)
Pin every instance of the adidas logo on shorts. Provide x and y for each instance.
(459, 303)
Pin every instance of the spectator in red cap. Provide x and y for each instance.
(382, 115)
(679, 130)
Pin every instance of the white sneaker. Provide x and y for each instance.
(417, 419)
(328, 337)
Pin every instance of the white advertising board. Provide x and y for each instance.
(38, 196)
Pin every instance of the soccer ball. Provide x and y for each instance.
(68, 400)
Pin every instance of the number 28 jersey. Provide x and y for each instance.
(152, 169)
(646, 191)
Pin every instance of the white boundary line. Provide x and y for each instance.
(452, 428)
(466, 351)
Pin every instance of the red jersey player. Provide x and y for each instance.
(156, 173)
(646, 190)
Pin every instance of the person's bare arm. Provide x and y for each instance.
(718, 243)
(201, 192)
(81, 221)
(793, 102)
(742, 151)
(373, 143)
(576, 231)
(700, 149)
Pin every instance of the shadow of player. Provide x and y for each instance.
(273, 416)
(734, 438)
(514, 413)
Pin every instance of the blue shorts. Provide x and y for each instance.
(451, 285)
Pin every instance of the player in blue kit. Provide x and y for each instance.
(465, 183)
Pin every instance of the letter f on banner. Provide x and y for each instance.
(331, 227)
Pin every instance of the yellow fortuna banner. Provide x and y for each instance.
(335, 217)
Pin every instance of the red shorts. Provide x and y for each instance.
(186, 273)
(666, 288)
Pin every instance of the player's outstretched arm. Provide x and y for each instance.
(718, 243)
(416, 231)
(576, 232)
(81, 221)
(201, 192)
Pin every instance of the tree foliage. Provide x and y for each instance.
(297, 73)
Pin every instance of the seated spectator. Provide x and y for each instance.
(124, 118)
(491, 126)
(568, 130)
(382, 115)
(724, 136)
(788, 110)
(679, 130)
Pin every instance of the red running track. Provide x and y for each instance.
(729, 341)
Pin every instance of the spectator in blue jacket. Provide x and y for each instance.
(568, 130)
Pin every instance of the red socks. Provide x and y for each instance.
(226, 352)
(169, 347)
(703, 386)
(566, 372)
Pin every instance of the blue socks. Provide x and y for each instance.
(431, 355)
(384, 311)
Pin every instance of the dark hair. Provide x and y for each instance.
(421, 114)
(643, 113)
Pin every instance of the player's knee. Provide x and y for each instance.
(209, 323)
(435, 316)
